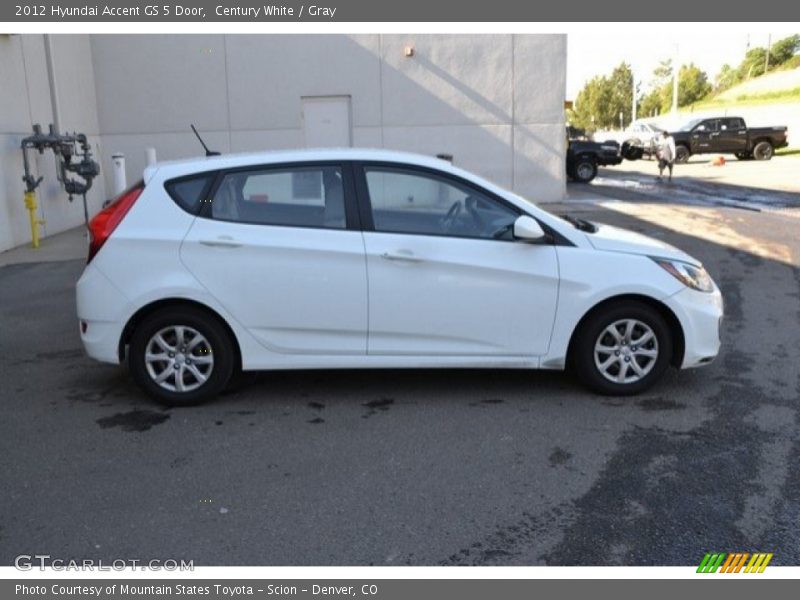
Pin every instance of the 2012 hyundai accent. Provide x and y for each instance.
(374, 259)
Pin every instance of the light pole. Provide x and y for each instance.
(769, 47)
(675, 70)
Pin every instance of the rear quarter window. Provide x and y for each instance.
(189, 192)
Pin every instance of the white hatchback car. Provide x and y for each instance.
(366, 258)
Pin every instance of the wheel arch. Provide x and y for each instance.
(760, 139)
(157, 305)
(678, 337)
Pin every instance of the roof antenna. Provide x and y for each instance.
(202, 143)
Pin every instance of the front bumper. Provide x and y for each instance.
(700, 315)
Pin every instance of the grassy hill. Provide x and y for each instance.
(782, 86)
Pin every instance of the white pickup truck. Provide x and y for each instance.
(637, 134)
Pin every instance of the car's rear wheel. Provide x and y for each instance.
(763, 151)
(181, 356)
(622, 349)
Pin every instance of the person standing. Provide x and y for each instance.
(666, 154)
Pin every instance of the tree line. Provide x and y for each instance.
(604, 97)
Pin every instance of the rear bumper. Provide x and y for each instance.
(100, 307)
(700, 315)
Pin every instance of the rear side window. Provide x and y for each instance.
(303, 196)
(189, 192)
(732, 123)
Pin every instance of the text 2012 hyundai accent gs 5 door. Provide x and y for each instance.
(367, 258)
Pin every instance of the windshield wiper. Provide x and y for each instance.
(580, 224)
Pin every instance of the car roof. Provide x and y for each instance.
(176, 168)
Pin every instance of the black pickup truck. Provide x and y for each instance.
(583, 158)
(727, 135)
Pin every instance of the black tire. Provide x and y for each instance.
(221, 348)
(682, 154)
(632, 150)
(582, 350)
(744, 155)
(763, 150)
(584, 169)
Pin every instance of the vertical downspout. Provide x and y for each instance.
(51, 79)
(513, 116)
(54, 104)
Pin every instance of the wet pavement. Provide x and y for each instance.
(418, 467)
(749, 184)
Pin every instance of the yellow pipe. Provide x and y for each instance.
(30, 204)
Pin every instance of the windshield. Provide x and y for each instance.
(690, 125)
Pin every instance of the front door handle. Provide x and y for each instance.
(403, 255)
(221, 242)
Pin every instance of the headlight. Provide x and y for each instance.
(691, 276)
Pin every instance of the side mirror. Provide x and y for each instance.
(528, 229)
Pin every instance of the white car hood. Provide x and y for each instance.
(615, 239)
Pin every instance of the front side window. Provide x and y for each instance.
(408, 201)
(304, 196)
(708, 126)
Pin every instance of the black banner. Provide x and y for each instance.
(513, 11)
(395, 589)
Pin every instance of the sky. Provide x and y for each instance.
(646, 44)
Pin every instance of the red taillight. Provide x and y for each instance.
(106, 221)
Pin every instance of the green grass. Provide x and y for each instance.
(776, 97)
(788, 152)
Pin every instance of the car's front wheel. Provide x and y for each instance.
(181, 356)
(622, 349)
(584, 170)
(682, 154)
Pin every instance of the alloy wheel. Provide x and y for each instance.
(179, 358)
(626, 351)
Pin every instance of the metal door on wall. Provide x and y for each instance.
(326, 121)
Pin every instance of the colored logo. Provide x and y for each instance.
(734, 562)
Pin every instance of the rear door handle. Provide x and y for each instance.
(221, 242)
(402, 255)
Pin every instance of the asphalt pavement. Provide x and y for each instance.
(418, 467)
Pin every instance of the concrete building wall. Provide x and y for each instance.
(495, 102)
(24, 100)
